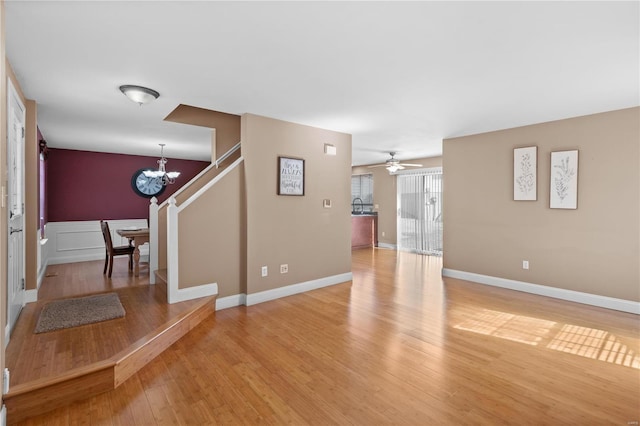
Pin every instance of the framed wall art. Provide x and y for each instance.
(290, 176)
(564, 180)
(525, 173)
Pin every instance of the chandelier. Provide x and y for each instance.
(161, 174)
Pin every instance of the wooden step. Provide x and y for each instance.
(40, 396)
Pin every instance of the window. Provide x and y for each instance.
(362, 189)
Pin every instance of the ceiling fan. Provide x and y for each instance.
(394, 165)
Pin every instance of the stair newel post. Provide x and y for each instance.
(153, 239)
(172, 250)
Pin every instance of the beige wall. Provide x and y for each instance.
(385, 196)
(212, 233)
(315, 242)
(594, 249)
(32, 198)
(227, 126)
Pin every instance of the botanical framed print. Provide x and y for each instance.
(290, 176)
(525, 173)
(564, 180)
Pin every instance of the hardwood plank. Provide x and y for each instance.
(140, 353)
(398, 345)
(61, 367)
(42, 399)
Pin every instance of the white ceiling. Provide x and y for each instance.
(398, 76)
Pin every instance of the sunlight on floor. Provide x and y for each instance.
(517, 328)
(595, 344)
(572, 339)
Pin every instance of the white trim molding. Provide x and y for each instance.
(542, 290)
(79, 241)
(231, 301)
(387, 246)
(174, 292)
(31, 296)
(153, 239)
(7, 336)
(277, 293)
(175, 295)
(209, 184)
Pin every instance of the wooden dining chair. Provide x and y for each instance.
(112, 251)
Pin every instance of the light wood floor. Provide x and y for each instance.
(32, 357)
(398, 345)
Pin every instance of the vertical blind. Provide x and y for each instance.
(420, 211)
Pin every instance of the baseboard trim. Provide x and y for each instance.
(277, 293)
(42, 273)
(231, 301)
(75, 258)
(144, 258)
(264, 296)
(31, 296)
(387, 246)
(541, 290)
(182, 294)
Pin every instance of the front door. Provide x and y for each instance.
(15, 199)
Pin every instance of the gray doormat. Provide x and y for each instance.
(79, 311)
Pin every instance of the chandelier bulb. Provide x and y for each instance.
(165, 177)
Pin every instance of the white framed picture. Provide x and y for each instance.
(290, 176)
(525, 173)
(564, 180)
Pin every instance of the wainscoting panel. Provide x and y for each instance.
(81, 241)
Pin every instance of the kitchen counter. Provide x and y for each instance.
(364, 230)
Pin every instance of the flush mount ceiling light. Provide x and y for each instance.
(138, 94)
(161, 174)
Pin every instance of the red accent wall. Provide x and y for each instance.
(84, 185)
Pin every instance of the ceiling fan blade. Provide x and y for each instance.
(410, 165)
(377, 165)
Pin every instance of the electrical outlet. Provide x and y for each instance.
(265, 271)
(383, 233)
(284, 268)
(525, 264)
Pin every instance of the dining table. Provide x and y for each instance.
(136, 237)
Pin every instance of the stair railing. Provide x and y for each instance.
(155, 210)
(227, 154)
(175, 294)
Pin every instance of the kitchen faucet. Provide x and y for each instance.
(353, 205)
